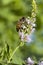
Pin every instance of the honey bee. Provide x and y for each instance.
(19, 23)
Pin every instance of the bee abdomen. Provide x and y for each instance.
(18, 26)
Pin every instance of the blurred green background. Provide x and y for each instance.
(10, 12)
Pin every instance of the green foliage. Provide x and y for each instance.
(10, 12)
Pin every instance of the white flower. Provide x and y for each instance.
(33, 24)
(28, 38)
(21, 34)
(30, 61)
(40, 63)
(25, 37)
(32, 31)
(28, 21)
(23, 26)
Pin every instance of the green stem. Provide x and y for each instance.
(13, 53)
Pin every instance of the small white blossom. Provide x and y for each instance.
(40, 63)
(28, 21)
(21, 34)
(28, 38)
(32, 31)
(25, 37)
(23, 26)
(30, 61)
(33, 24)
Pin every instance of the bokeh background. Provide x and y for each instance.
(10, 12)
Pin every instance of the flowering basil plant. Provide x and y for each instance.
(27, 29)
